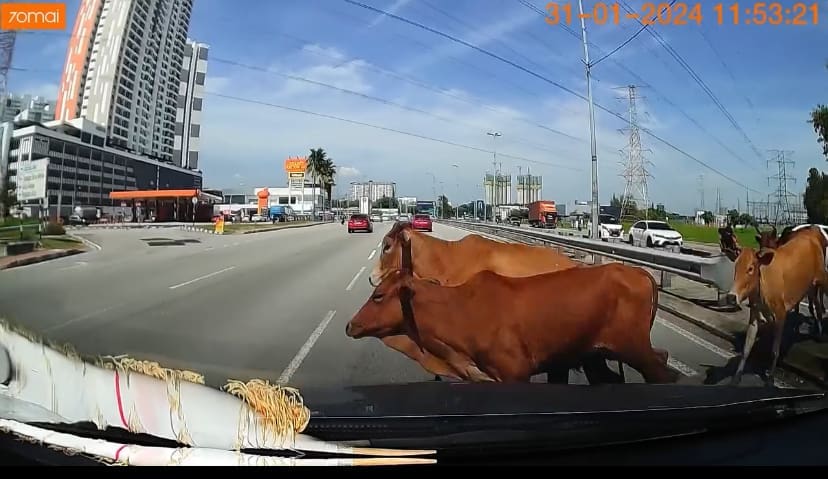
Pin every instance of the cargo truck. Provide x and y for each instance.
(543, 214)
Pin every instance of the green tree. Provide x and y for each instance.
(316, 163)
(819, 120)
(445, 209)
(386, 202)
(733, 217)
(708, 217)
(327, 177)
(816, 197)
(7, 198)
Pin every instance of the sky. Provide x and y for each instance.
(402, 103)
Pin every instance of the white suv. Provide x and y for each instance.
(654, 233)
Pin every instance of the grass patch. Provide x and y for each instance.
(707, 234)
(60, 242)
(243, 227)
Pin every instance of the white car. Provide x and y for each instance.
(609, 228)
(654, 233)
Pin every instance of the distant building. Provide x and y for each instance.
(83, 170)
(498, 189)
(373, 190)
(123, 69)
(36, 109)
(529, 189)
(407, 203)
(190, 103)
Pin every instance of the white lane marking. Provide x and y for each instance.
(681, 367)
(695, 339)
(87, 242)
(208, 248)
(379, 245)
(305, 349)
(371, 256)
(353, 281)
(79, 318)
(185, 283)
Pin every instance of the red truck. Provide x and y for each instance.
(543, 214)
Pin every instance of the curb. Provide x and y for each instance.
(42, 258)
(85, 241)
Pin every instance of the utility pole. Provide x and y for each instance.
(521, 196)
(592, 143)
(782, 197)
(701, 191)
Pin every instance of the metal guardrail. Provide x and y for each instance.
(8, 231)
(716, 271)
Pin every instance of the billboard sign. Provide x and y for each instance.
(31, 179)
(296, 165)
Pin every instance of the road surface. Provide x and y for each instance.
(269, 305)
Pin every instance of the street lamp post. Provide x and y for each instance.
(592, 142)
(457, 186)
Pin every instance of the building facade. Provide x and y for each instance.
(498, 189)
(82, 169)
(373, 190)
(39, 109)
(190, 104)
(123, 70)
(528, 189)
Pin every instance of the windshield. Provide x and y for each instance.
(222, 187)
(656, 225)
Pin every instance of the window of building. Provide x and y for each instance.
(195, 131)
(199, 79)
(197, 103)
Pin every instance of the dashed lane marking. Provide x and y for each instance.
(185, 283)
(353, 281)
(681, 367)
(696, 340)
(305, 349)
(371, 256)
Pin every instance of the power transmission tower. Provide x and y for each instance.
(782, 201)
(634, 165)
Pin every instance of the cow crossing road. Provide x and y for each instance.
(272, 305)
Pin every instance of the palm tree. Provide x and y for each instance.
(328, 175)
(316, 161)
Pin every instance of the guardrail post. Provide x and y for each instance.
(666, 280)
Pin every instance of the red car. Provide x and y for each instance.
(421, 222)
(360, 223)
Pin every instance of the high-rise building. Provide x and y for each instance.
(498, 189)
(373, 190)
(529, 189)
(123, 70)
(39, 109)
(190, 103)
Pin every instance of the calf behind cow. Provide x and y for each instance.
(512, 328)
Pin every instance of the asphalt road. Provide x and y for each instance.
(270, 305)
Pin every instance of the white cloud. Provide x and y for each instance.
(348, 172)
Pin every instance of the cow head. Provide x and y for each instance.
(767, 239)
(389, 311)
(746, 272)
(391, 252)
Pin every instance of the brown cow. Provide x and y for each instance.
(452, 263)
(774, 281)
(512, 328)
(768, 239)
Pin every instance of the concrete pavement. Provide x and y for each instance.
(272, 305)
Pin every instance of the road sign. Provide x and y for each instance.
(296, 175)
(31, 179)
(296, 165)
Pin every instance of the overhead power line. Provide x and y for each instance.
(547, 80)
(383, 100)
(641, 81)
(695, 76)
(385, 128)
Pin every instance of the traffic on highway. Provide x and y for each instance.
(412, 233)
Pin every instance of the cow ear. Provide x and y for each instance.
(409, 323)
(765, 256)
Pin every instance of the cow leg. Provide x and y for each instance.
(597, 371)
(779, 327)
(750, 338)
(428, 361)
(558, 375)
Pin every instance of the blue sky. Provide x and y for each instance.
(767, 77)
